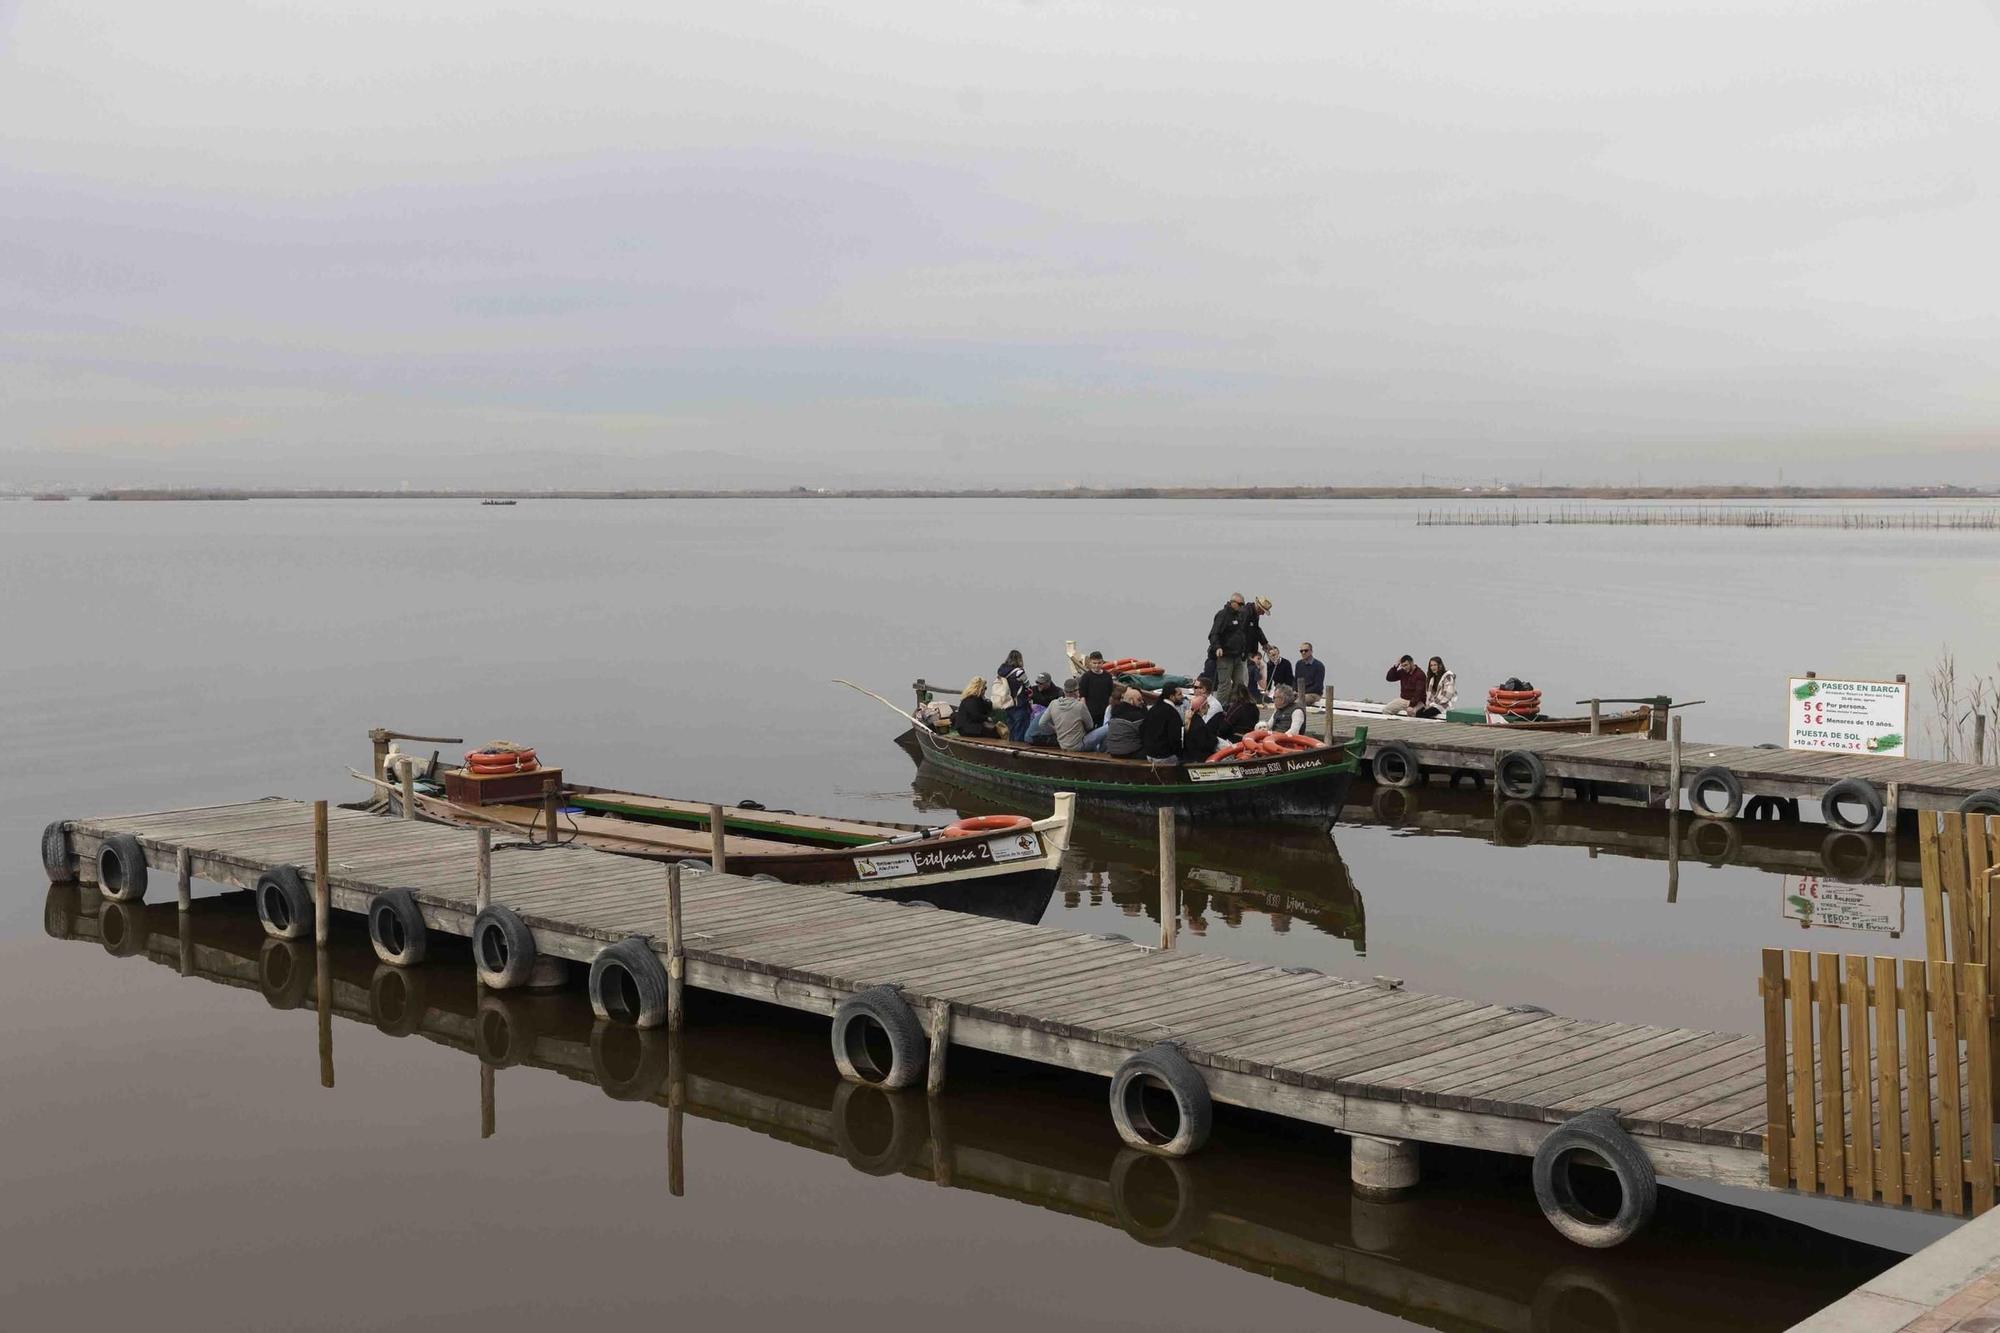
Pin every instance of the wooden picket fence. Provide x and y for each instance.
(1864, 1035)
(1961, 864)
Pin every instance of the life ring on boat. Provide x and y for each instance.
(973, 826)
(1522, 696)
(489, 761)
(1227, 752)
(1294, 741)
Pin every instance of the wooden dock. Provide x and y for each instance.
(1351, 1055)
(1574, 760)
(1459, 1261)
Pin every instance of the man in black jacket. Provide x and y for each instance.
(1160, 732)
(1096, 687)
(1229, 648)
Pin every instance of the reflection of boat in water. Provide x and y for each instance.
(1266, 1199)
(1285, 872)
(1779, 846)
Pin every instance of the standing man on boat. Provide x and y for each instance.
(1309, 676)
(1096, 686)
(1230, 648)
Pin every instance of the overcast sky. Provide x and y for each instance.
(962, 242)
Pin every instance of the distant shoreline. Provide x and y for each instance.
(1664, 493)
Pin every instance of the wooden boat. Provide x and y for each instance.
(1306, 782)
(901, 861)
(1636, 722)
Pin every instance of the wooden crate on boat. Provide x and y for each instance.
(466, 788)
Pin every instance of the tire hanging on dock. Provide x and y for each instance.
(396, 928)
(1718, 779)
(877, 1039)
(1396, 766)
(1520, 775)
(628, 983)
(283, 903)
(1857, 792)
(56, 857)
(1160, 1104)
(121, 869)
(503, 948)
(1594, 1135)
(1983, 802)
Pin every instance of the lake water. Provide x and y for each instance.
(181, 1154)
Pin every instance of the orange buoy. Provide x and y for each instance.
(974, 825)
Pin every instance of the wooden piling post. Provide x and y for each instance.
(482, 889)
(322, 892)
(406, 770)
(676, 1112)
(379, 738)
(551, 802)
(1170, 881)
(717, 857)
(184, 878)
(1596, 719)
(676, 957)
(939, 1026)
(1674, 764)
(187, 945)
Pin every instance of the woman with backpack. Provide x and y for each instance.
(1009, 694)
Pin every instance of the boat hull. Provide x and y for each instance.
(1311, 783)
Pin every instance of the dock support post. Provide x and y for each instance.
(406, 772)
(183, 878)
(1674, 764)
(1170, 882)
(1596, 719)
(939, 1026)
(1893, 799)
(323, 995)
(187, 945)
(1673, 856)
(717, 857)
(485, 1099)
(676, 956)
(551, 801)
(322, 893)
(482, 888)
(379, 738)
(676, 1112)
(1382, 1168)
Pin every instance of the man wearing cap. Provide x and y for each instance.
(1066, 721)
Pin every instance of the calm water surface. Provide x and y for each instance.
(172, 1147)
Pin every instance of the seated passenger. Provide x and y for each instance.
(1440, 689)
(1199, 740)
(975, 711)
(1160, 729)
(1286, 715)
(1068, 718)
(1121, 728)
(1239, 718)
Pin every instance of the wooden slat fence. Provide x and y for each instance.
(1878, 1079)
(1961, 859)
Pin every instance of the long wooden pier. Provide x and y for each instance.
(1351, 1055)
(1573, 760)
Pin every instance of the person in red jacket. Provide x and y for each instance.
(1410, 679)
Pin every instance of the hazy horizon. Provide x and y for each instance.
(999, 244)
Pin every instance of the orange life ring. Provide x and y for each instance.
(974, 825)
(501, 761)
(1295, 742)
(1519, 696)
(1226, 752)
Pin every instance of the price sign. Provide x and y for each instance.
(1849, 716)
(1812, 901)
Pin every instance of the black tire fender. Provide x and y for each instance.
(121, 928)
(121, 869)
(1594, 1135)
(1715, 778)
(1858, 792)
(630, 1064)
(56, 857)
(1139, 1081)
(1763, 807)
(396, 928)
(284, 973)
(1130, 1173)
(503, 1034)
(877, 1039)
(1982, 802)
(858, 1132)
(503, 948)
(628, 983)
(1396, 766)
(1520, 775)
(397, 999)
(284, 904)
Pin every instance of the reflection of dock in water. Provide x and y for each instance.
(1777, 846)
(1275, 1202)
(1283, 872)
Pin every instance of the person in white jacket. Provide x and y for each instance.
(1440, 690)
